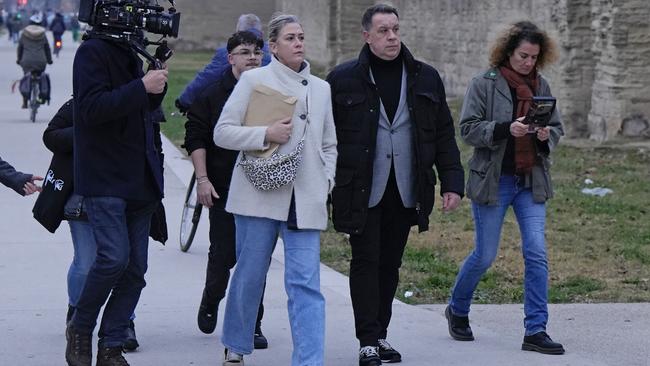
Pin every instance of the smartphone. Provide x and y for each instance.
(540, 112)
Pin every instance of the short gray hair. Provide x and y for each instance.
(277, 22)
(248, 22)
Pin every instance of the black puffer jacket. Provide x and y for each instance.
(356, 103)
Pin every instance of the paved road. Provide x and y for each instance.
(33, 301)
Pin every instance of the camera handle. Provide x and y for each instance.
(162, 54)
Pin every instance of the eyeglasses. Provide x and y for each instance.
(248, 53)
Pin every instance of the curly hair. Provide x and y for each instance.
(510, 38)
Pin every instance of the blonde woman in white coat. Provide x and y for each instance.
(297, 212)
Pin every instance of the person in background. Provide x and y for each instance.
(296, 211)
(509, 167)
(33, 52)
(393, 125)
(219, 63)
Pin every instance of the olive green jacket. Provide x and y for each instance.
(487, 102)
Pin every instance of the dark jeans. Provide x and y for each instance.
(221, 256)
(374, 268)
(121, 230)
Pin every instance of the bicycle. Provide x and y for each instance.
(190, 216)
(34, 97)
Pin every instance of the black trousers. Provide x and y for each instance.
(376, 259)
(221, 256)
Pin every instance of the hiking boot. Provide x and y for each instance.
(387, 353)
(369, 356)
(78, 350)
(110, 356)
(232, 359)
(542, 343)
(459, 328)
(130, 342)
(260, 341)
(207, 317)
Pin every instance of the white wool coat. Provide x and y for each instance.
(315, 177)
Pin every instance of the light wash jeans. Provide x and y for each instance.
(488, 220)
(85, 250)
(256, 239)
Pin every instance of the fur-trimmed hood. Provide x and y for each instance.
(35, 32)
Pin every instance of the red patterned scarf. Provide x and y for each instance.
(525, 87)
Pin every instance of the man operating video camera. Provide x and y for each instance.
(116, 166)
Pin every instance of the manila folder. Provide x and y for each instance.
(267, 105)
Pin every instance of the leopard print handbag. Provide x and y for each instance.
(275, 171)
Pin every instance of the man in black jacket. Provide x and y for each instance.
(119, 172)
(213, 167)
(392, 125)
(24, 184)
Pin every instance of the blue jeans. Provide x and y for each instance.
(121, 231)
(256, 239)
(488, 220)
(85, 249)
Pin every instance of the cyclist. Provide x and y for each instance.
(33, 49)
(58, 28)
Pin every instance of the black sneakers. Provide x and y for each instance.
(387, 353)
(78, 350)
(369, 356)
(260, 341)
(110, 356)
(207, 317)
(459, 328)
(130, 342)
(542, 343)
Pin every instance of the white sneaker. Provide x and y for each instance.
(232, 359)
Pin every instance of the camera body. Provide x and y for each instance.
(130, 16)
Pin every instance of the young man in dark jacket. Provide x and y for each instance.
(213, 167)
(119, 172)
(392, 125)
(24, 184)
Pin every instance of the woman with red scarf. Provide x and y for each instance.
(509, 167)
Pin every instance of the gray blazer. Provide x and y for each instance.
(394, 148)
(12, 178)
(487, 102)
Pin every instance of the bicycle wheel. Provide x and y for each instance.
(190, 216)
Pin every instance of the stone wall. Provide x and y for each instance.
(207, 24)
(602, 80)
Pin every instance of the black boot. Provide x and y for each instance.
(24, 106)
(458, 326)
(542, 343)
(110, 356)
(260, 341)
(207, 317)
(130, 342)
(78, 350)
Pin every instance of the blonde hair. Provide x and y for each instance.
(277, 22)
(510, 38)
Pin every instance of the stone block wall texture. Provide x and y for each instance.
(602, 80)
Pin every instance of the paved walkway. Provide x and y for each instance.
(33, 302)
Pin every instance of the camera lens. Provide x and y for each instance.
(165, 24)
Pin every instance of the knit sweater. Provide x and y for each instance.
(315, 177)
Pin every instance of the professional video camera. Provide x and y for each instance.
(127, 20)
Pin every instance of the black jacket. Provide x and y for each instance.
(199, 128)
(114, 152)
(58, 138)
(12, 178)
(356, 105)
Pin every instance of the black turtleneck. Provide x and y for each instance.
(388, 78)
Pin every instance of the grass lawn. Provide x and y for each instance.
(598, 247)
